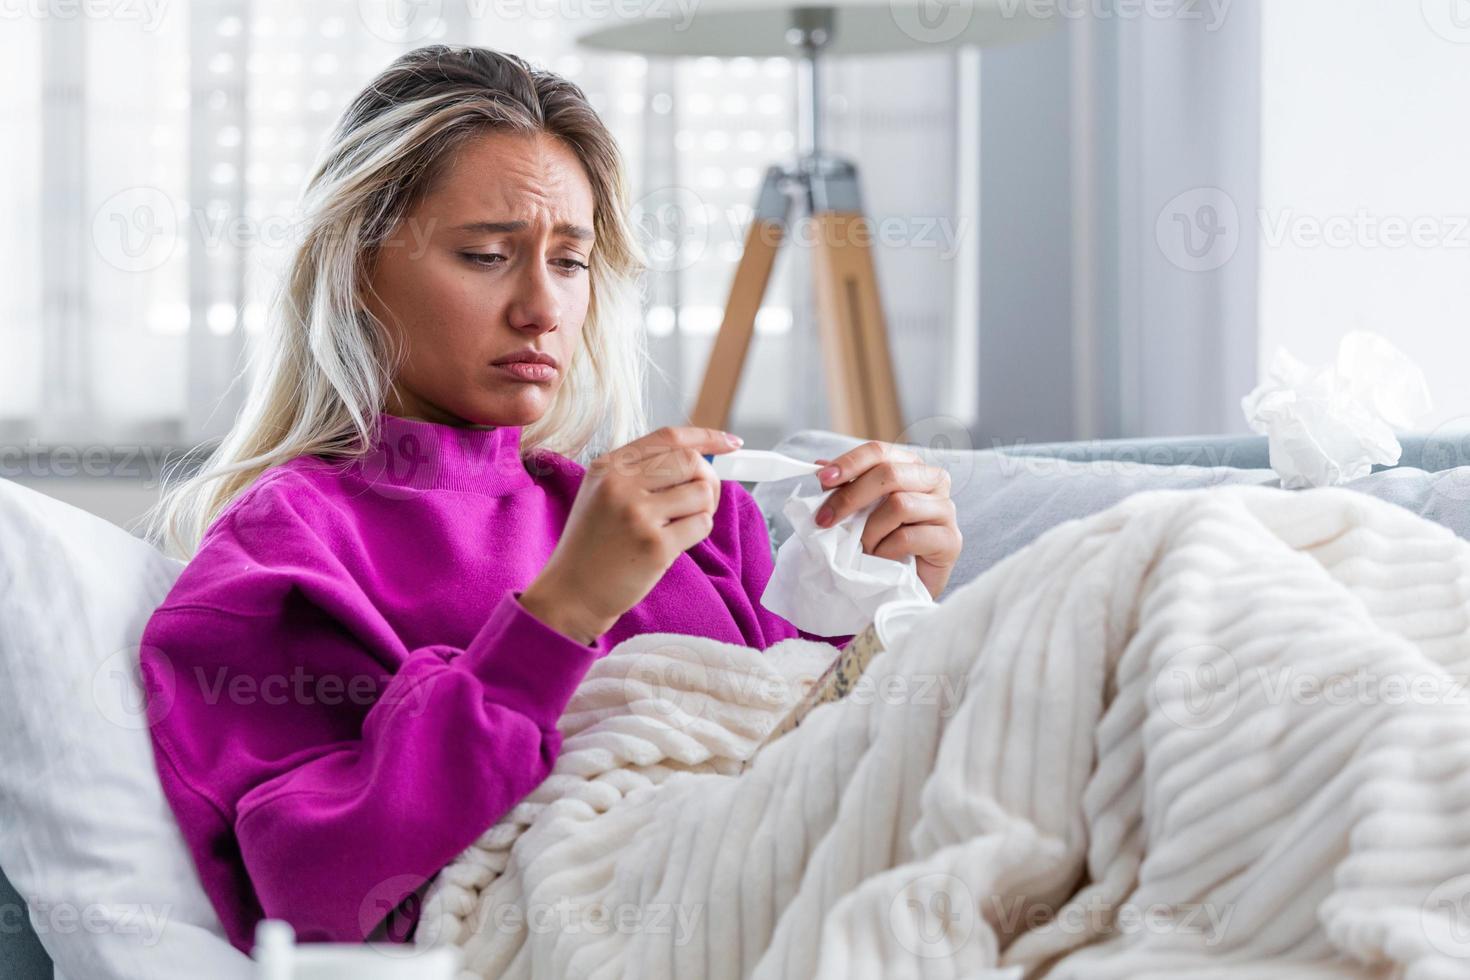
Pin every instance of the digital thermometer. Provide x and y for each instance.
(757, 465)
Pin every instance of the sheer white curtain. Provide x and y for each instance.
(1119, 277)
(155, 155)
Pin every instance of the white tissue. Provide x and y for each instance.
(1329, 424)
(824, 582)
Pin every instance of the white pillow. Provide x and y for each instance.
(86, 836)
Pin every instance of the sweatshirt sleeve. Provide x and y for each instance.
(314, 782)
(758, 563)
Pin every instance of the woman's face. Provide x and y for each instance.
(490, 263)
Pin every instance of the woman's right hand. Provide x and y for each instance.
(638, 508)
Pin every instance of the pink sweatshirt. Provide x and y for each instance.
(345, 691)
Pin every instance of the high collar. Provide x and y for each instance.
(412, 454)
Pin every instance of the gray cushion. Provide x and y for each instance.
(1443, 449)
(1442, 497)
(1004, 500)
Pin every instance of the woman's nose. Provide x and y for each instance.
(536, 306)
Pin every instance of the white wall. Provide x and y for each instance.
(1365, 146)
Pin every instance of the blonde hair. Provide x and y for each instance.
(327, 364)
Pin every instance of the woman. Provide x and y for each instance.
(398, 572)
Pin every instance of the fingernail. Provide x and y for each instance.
(733, 439)
(824, 516)
(830, 473)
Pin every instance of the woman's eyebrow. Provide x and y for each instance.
(565, 228)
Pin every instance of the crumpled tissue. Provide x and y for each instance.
(824, 582)
(1329, 424)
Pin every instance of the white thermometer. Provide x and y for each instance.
(757, 465)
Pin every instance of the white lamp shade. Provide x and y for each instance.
(757, 28)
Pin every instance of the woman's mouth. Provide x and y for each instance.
(527, 370)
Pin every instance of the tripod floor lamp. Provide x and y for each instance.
(862, 393)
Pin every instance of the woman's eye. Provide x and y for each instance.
(482, 258)
(489, 260)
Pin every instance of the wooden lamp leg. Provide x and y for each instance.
(747, 290)
(861, 388)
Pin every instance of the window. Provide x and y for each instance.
(155, 165)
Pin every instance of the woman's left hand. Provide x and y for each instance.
(918, 518)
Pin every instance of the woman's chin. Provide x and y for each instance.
(515, 408)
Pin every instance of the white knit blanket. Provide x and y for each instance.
(1218, 733)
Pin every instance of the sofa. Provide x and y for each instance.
(1005, 496)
